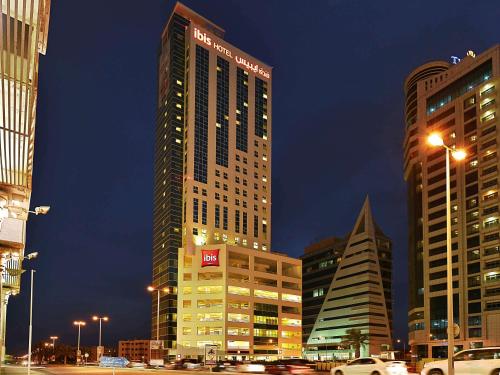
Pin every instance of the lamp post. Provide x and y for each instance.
(404, 347)
(158, 290)
(78, 323)
(54, 338)
(436, 140)
(100, 319)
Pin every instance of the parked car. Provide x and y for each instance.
(253, 367)
(136, 364)
(371, 366)
(483, 361)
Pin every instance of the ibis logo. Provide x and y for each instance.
(210, 258)
(202, 37)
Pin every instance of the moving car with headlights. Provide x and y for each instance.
(296, 366)
(252, 367)
(483, 361)
(371, 366)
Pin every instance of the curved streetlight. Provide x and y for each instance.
(436, 140)
(40, 210)
(152, 289)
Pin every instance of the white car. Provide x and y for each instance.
(484, 361)
(371, 366)
(256, 368)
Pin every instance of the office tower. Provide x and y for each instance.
(319, 264)
(23, 36)
(457, 99)
(358, 295)
(213, 152)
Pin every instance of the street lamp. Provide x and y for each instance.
(436, 140)
(78, 323)
(404, 347)
(100, 319)
(152, 289)
(40, 210)
(54, 338)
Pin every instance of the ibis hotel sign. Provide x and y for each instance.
(210, 258)
(229, 52)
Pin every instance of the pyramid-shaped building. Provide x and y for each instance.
(359, 296)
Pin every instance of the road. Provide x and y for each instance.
(91, 370)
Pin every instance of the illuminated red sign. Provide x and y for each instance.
(210, 258)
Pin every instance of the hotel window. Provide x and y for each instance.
(201, 115)
(217, 216)
(209, 275)
(318, 292)
(186, 330)
(217, 196)
(202, 344)
(235, 331)
(260, 332)
(209, 317)
(222, 110)
(291, 322)
(291, 297)
(186, 303)
(187, 277)
(214, 289)
(224, 218)
(224, 198)
(195, 189)
(209, 331)
(238, 318)
(225, 187)
(209, 303)
(195, 210)
(265, 294)
(290, 334)
(187, 290)
(204, 212)
(187, 318)
(290, 346)
(245, 223)
(269, 320)
(242, 107)
(225, 175)
(237, 221)
(238, 290)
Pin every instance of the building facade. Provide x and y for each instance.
(459, 101)
(357, 295)
(135, 350)
(213, 152)
(23, 37)
(246, 301)
(319, 264)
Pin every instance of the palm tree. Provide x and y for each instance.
(354, 338)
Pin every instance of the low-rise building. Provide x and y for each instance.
(248, 302)
(135, 350)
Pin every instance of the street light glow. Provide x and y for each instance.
(79, 323)
(150, 288)
(32, 255)
(459, 154)
(435, 140)
(42, 210)
(54, 337)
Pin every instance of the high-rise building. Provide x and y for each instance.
(457, 99)
(213, 152)
(23, 36)
(347, 285)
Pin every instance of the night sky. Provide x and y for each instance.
(339, 68)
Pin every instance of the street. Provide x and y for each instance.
(92, 370)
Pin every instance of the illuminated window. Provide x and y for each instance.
(265, 332)
(208, 303)
(186, 344)
(291, 322)
(291, 297)
(209, 289)
(265, 294)
(186, 303)
(202, 344)
(186, 330)
(245, 345)
(238, 318)
(271, 320)
(209, 317)
(234, 331)
(238, 290)
(209, 331)
(187, 318)
(187, 290)
(290, 334)
(290, 346)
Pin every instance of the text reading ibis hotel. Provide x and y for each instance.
(205, 38)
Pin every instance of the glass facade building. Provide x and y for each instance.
(459, 101)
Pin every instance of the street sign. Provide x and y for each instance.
(113, 362)
(211, 354)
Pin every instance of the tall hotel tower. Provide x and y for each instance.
(23, 37)
(460, 101)
(212, 173)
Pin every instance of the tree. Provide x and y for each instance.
(355, 339)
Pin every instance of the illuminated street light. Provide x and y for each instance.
(436, 140)
(78, 323)
(152, 289)
(100, 319)
(40, 210)
(54, 338)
